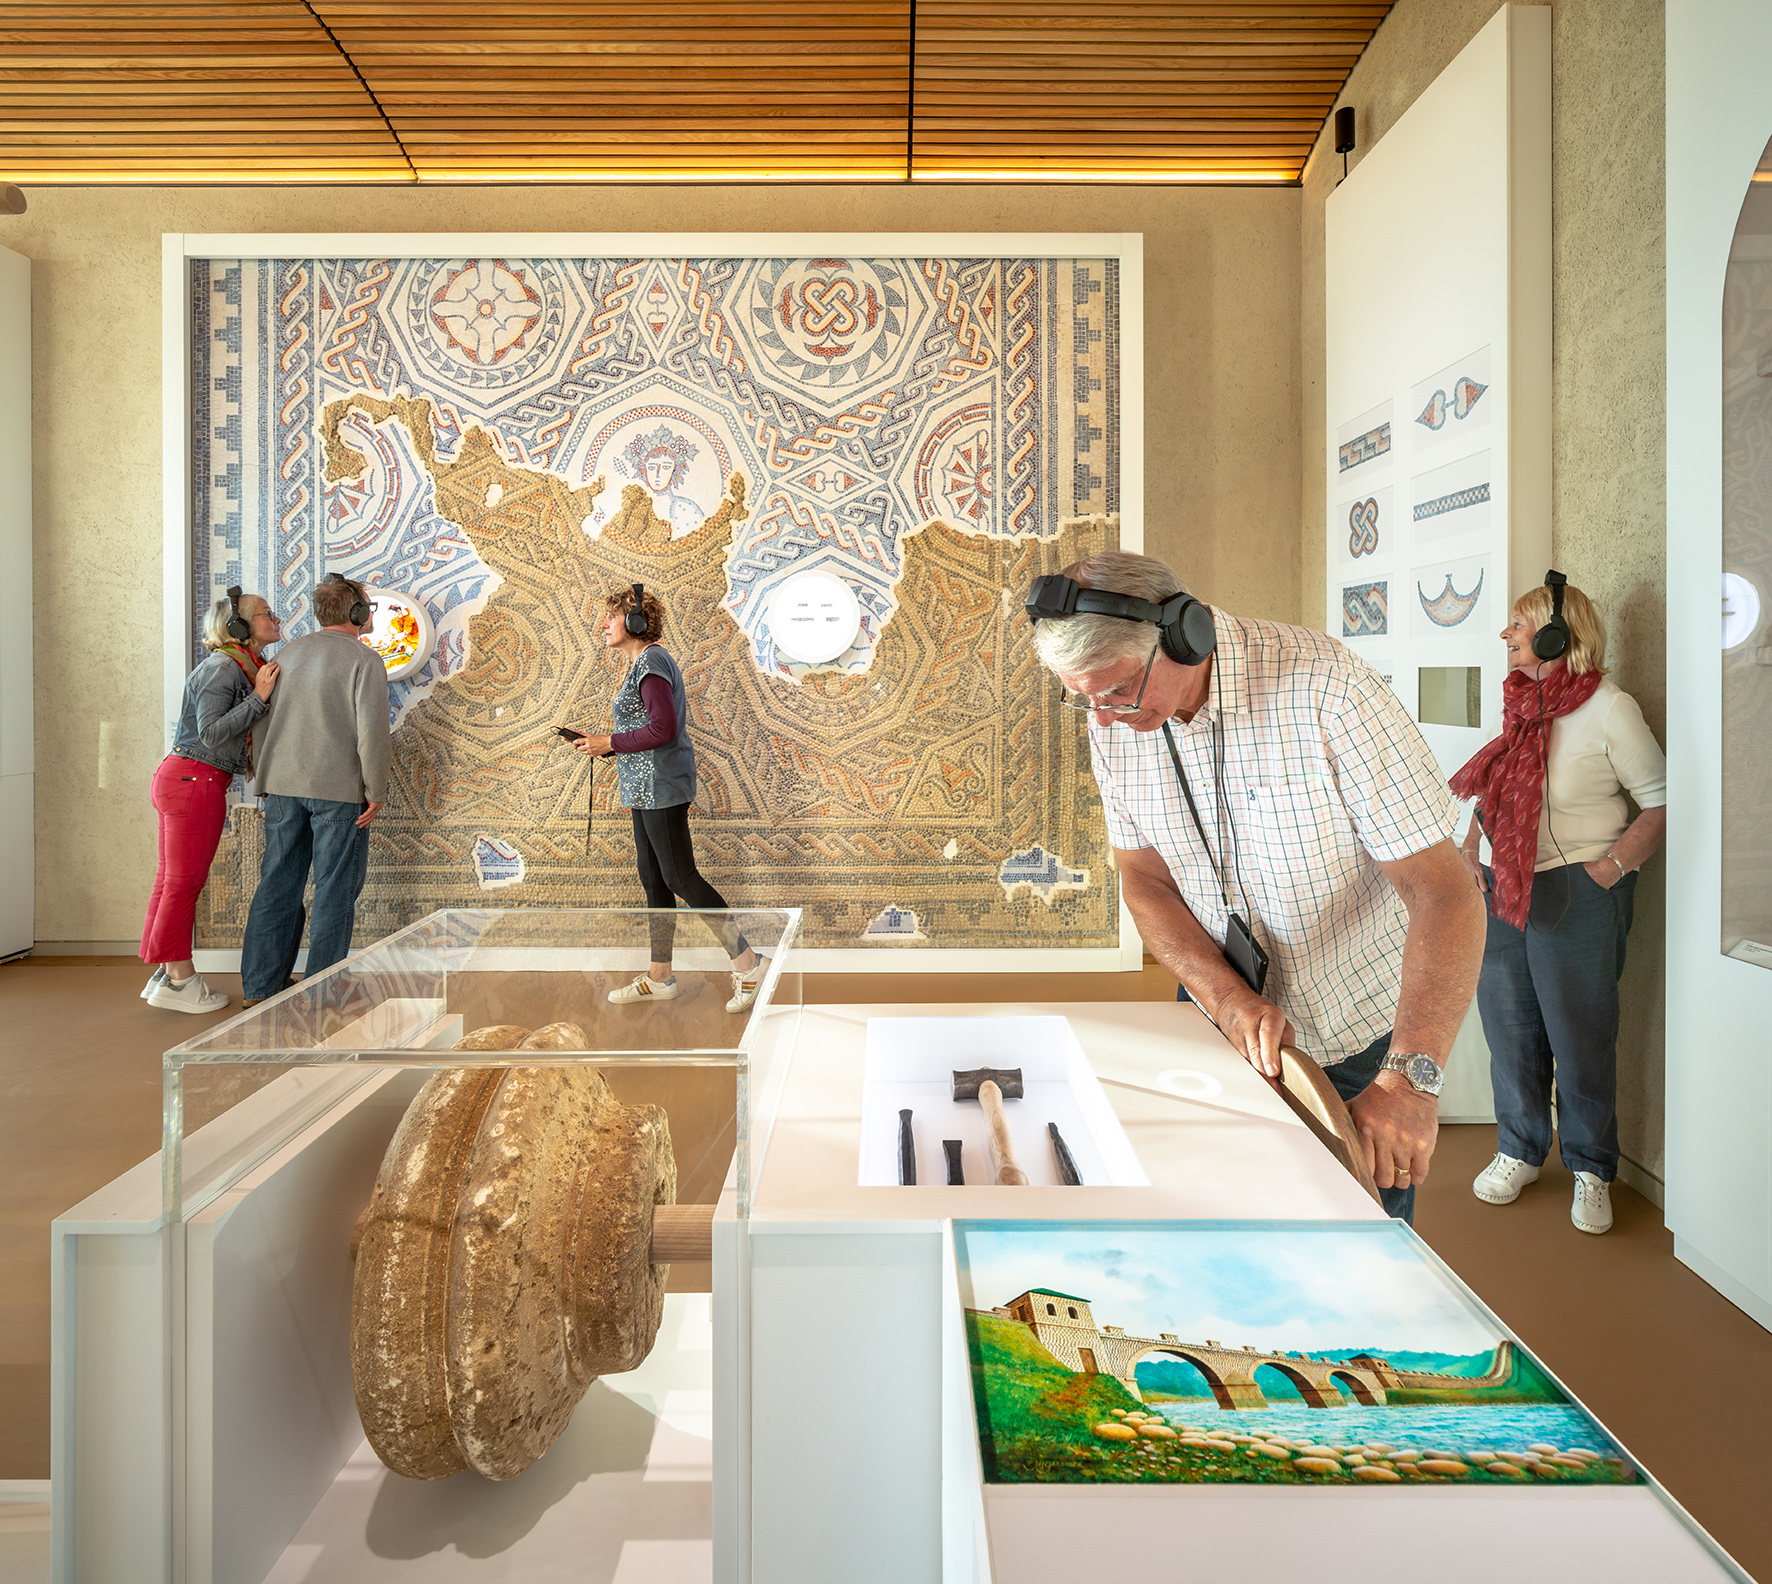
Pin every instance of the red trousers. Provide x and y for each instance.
(192, 801)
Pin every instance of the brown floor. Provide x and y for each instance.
(1680, 1375)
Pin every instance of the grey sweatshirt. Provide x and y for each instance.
(326, 732)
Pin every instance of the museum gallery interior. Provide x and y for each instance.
(923, 790)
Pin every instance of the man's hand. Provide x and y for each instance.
(1398, 1127)
(1257, 1028)
(595, 746)
(1473, 861)
(367, 817)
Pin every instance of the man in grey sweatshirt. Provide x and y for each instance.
(320, 761)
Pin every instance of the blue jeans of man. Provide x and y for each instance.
(303, 833)
(1549, 1003)
(1350, 1077)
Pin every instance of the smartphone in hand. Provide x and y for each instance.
(570, 734)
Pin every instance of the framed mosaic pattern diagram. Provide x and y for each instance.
(506, 439)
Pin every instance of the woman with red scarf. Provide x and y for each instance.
(224, 696)
(1560, 882)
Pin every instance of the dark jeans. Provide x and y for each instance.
(300, 832)
(1350, 1078)
(667, 871)
(1549, 1003)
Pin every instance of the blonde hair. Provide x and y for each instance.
(1587, 628)
(651, 607)
(215, 621)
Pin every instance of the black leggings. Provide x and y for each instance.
(667, 871)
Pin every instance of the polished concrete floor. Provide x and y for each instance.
(1682, 1377)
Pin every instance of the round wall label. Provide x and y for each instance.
(401, 633)
(814, 617)
(1741, 610)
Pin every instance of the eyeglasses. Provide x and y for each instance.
(1091, 706)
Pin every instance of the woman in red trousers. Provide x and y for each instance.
(224, 697)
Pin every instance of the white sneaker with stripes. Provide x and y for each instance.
(645, 988)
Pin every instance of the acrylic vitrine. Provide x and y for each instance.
(209, 1379)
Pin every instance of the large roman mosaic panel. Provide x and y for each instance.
(509, 439)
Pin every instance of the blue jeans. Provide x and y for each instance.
(1350, 1078)
(299, 833)
(1549, 1003)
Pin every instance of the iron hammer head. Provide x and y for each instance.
(1007, 1079)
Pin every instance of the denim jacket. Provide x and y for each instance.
(219, 710)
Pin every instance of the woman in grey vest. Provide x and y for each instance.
(655, 769)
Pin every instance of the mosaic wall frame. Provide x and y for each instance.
(506, 427)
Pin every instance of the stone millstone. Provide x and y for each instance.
(505, 1260)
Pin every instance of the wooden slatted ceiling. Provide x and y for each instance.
(1130, 89)
(571, 90)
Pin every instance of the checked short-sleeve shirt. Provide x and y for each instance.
(1325, 777)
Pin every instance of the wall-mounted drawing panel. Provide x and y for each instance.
(1437, 263)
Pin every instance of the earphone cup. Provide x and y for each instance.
(1191, 636)
(635, 622)
(239, 629)
(1551, 641)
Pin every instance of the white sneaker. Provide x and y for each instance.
(153, 984)
(1592, 1210)
(192, 996)
(1502, 1179)
(745, 986)
(645, 988)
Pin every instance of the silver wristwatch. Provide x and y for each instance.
(1421, 1071)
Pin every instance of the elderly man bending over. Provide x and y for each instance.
(1267, 796)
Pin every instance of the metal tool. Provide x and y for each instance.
(907, 1152)
(990, 1087)
(1067, 1168)
(956, 1177)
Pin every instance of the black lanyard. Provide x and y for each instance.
(1218, 873)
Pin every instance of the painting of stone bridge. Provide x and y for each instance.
(1064, 1325)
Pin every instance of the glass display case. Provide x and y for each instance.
(1747, 580)
(405, 1002)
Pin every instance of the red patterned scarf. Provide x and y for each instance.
(248, 660)
(1507, 777)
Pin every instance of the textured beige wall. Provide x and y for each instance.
(1608, 379)
(1222, 440)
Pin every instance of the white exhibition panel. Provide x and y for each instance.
(1719, 1077)
(17, 590)
(1437, 258)
(1050, 1534)
(842, 1474)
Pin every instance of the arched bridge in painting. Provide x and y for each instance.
(1065, 1327)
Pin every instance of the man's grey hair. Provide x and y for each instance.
(215, 623)
(1082, 644)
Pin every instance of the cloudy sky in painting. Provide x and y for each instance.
(1279, 1289)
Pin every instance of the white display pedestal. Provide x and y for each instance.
(838, 1467)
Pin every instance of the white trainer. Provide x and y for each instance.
(745, 986)
(154, 983)
(1592, 1210)
(1502, 1179)
(645, 988)
(192, 996)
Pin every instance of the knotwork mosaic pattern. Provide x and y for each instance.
(507, 439)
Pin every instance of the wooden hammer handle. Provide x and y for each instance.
(1009, 1172)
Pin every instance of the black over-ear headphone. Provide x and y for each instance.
(239, 627)
(1551, 641)
(362, 611)
(1184, 624)
(635, 620)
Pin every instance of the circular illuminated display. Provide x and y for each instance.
(1741, 609)
(814, 617)
(401, 633)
